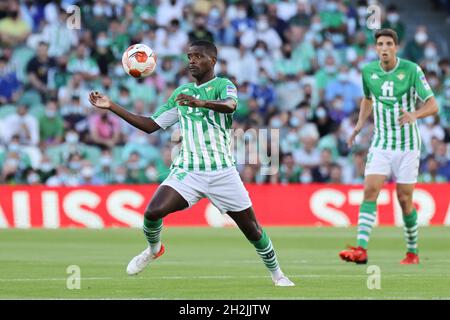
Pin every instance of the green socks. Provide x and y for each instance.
(265, 250)
(366, 221)
(411, 231)
(152, 231)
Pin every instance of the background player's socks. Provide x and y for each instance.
(366, 221)
(411, 231)
(265, 250)
(152, 231)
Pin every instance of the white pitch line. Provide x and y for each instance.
(218, 277)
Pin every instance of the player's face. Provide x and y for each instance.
(199, 61)
(386, 48)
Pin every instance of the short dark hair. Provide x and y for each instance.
(209, 47)
(388, 33)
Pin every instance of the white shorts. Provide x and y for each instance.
(224, 188)
(403, 164)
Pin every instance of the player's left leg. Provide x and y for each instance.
(247, 223)
(405, 166)
(227, 192)
(405, 197)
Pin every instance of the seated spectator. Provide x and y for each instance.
(82, 62)
(322, 172)
(289, 170)
(38, 70)
(13, 28)
(431, 175)
(104, 129)
(10, 87)
(51, 125)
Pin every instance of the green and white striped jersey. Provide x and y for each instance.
(392, 92)
(206, 141)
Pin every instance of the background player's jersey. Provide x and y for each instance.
(392, 92)
(206, 142)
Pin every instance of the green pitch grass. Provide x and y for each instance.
(207, 263)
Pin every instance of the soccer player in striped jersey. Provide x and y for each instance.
(391, 87)
(205, 166)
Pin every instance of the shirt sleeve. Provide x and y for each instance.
(423, 89)
(228, 90)
(167, 114)
(365, 87)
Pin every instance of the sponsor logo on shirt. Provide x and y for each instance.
(401, 76)
(374, 76)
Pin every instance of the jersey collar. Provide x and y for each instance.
(390, 71)
(204, 84)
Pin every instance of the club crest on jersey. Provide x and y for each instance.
(374, 76)
(401, 76)
(231, 91)
(209, 88)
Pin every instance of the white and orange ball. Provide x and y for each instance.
(139, 60)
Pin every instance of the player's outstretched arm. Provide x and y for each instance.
(102, 101)
(224, 106)
(429, 108)
(364, 112)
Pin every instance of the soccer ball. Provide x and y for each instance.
(139, 60)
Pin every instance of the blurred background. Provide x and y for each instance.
(296, 64)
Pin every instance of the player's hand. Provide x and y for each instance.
(407, 117)
(189, 101)
(99, 100)
(352, 138)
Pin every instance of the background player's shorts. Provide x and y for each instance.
(403, 164)
(224, 188)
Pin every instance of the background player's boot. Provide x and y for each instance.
(283, 281)
(411, 258)
(138, 263)
(354, 254)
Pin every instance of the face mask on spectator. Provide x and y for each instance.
(430, 52)
(421, 37)
(87, 172)
(241, 14)
(294, 121)
(330, 69)
(332, 6)
(276, 123)
(151, 174)
(46, 167)
(328, 46)
(50, 113)
(11, 163)
(133, 165)
(74, 165)
(321, 113)
(429, 121)
(33, 178)
(118, 71)
(362, 11)
(306, 177)
(338, 105)
(393, 17)
(342, 77)
(214, 13)
(102, 42)
(105, 161)
(447, 93)
(120, 178)
(97, 10)
(72, 138)
(260, 53)
(262, 25)
(316, 27)
(14, 147)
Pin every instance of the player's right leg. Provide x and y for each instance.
(165, 200)
(366, 220)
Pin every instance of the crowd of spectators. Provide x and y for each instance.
(296, 63)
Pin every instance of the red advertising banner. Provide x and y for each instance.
(275, 205)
